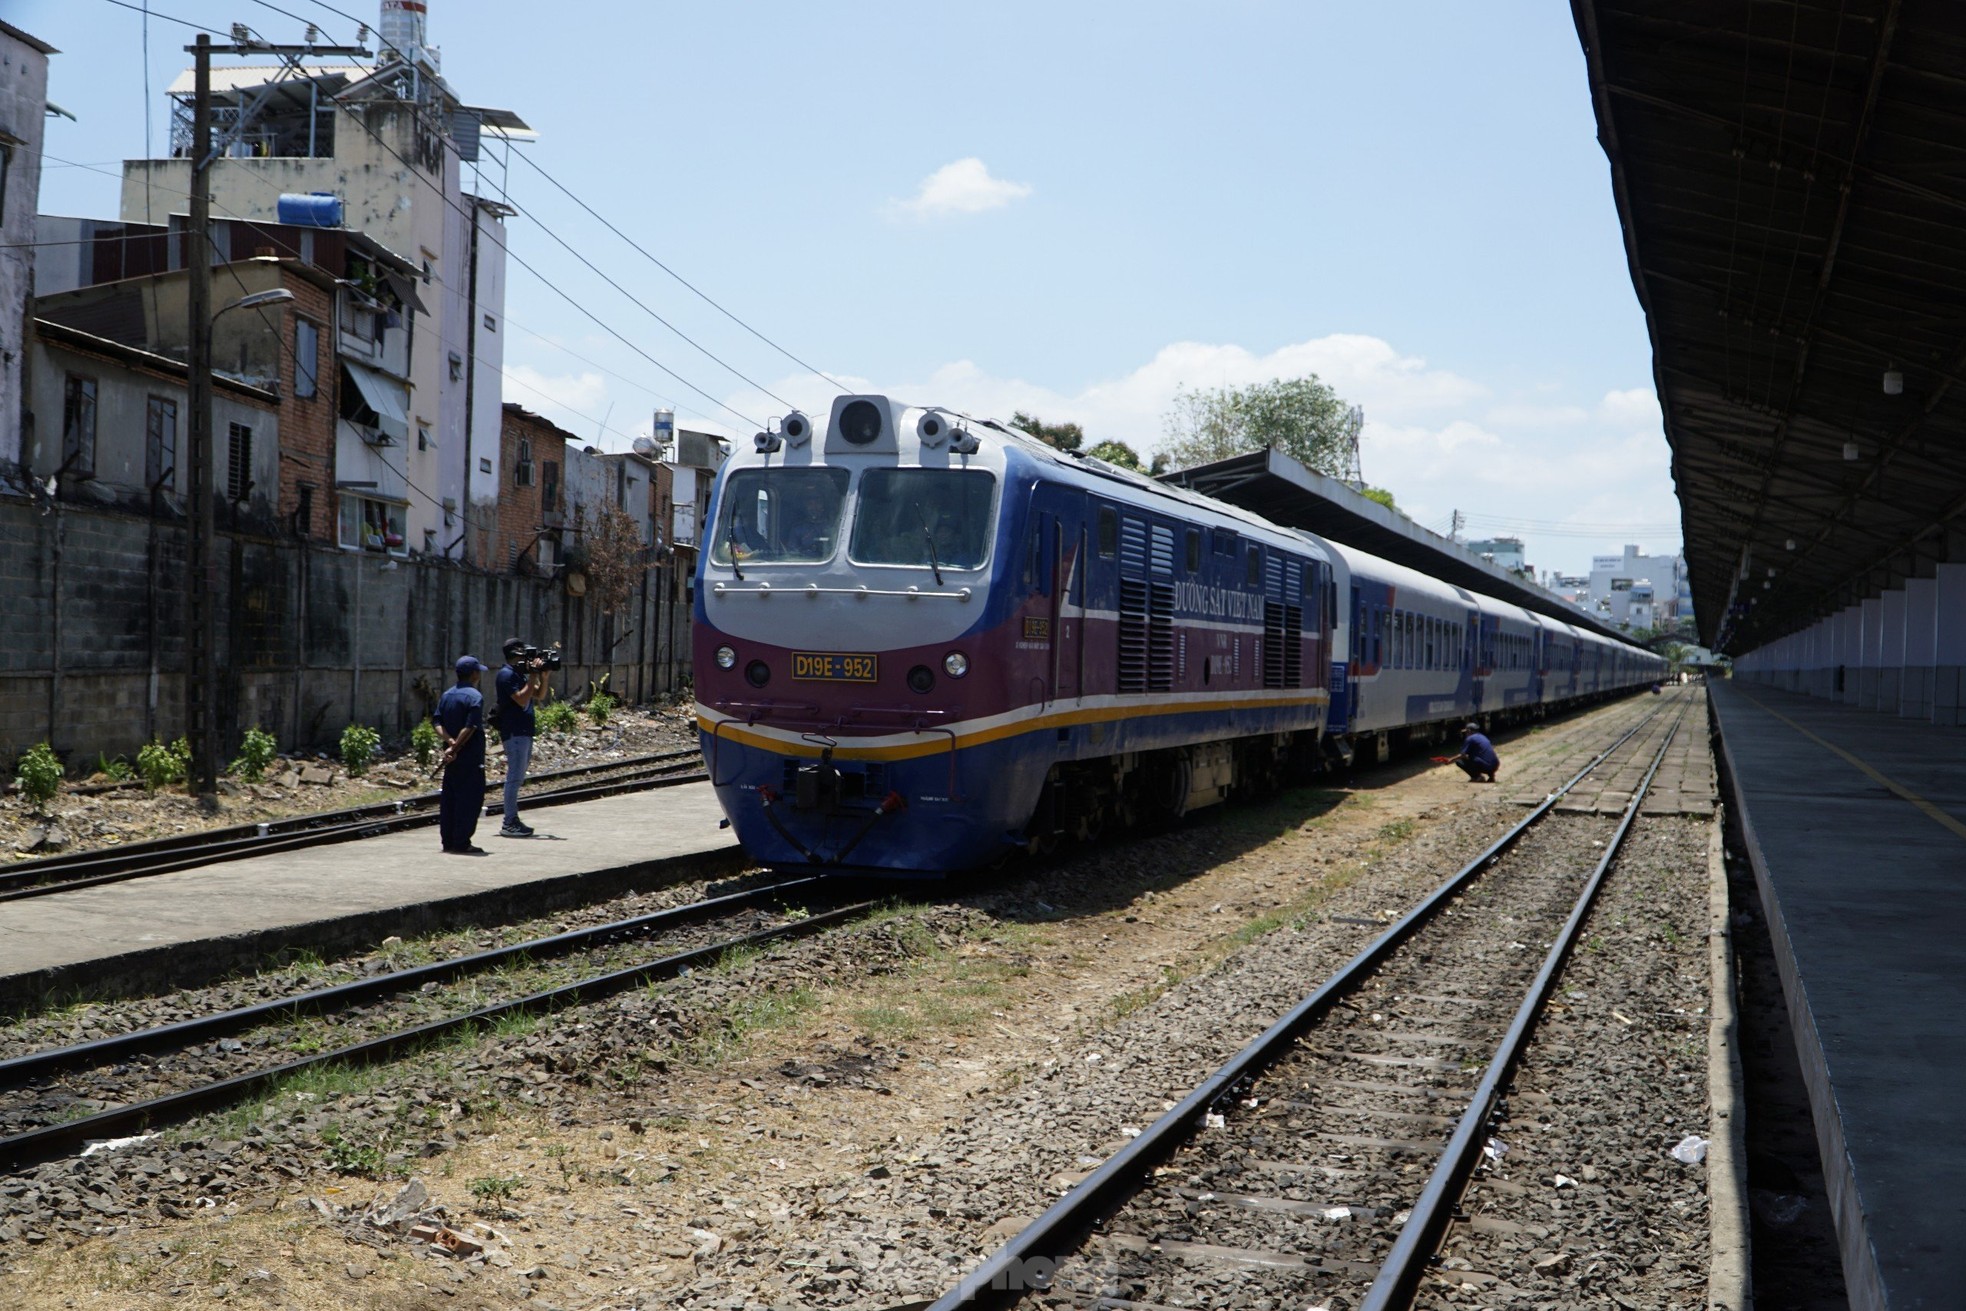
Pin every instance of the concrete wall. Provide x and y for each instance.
(92, 656)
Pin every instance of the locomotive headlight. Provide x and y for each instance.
(726, 658)
(956, 664)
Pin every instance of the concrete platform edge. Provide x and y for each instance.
(1729, 1283)
(189, 965)
(1863, 1281)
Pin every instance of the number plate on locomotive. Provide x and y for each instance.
(831, 667)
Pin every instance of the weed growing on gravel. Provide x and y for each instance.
(496, 1188)
(515, 1024)
(346, 1156)
(1397, 831)
(891, 1022)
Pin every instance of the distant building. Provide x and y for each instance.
(23, 109)
(1504, 553)
(693, 465)
(532, 505)
(1635, 590)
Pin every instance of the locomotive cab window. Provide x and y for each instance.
(1109, 532)
(1194, 550)
(1252, 572)
(780, 516)
(925, 517)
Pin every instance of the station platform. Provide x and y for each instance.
(1856, 827)
(185, 928)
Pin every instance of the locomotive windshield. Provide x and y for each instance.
(937, 517)
(780, 516)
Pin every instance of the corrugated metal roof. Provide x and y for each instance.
(234, 77)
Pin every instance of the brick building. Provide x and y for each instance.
(531, 526)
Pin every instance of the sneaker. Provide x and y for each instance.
(515, 831)
(473, 850)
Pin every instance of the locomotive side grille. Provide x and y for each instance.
(1133, 547)
(1162, 557)
(1283, 624)
(1273, 644)
(1133, 635)
(1160, 635)
(1293, 646)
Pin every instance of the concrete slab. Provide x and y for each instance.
(174, 929)
(1856, 825)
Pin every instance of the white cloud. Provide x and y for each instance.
(964, 187)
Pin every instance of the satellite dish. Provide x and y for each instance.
(646, 448)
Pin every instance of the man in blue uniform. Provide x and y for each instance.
(461, 724)
(1477, 756)
(519, 682)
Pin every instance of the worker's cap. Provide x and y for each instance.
(1471, 728)
(471, 665)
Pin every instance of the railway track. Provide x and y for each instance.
(1325, 1160)
(153, 1077)
(82, 869)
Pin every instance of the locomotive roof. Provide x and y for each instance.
(1140, 484)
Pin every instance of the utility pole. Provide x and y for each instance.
(200, 578)
(201, 574)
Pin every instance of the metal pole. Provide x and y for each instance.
(200, 629)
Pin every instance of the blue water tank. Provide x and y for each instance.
(315, 209)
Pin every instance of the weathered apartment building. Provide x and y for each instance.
(358, 430)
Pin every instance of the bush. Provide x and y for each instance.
(38, 775)
(162, 765)
(359, 745)
(424, 741)
(119, 769)
(601, 702)
(255, 754)
(556, 717)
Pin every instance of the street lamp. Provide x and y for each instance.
(277, 296)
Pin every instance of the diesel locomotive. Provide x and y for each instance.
(924, 639)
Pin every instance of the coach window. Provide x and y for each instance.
(1194, 550)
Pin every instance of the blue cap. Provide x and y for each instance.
(470, 664)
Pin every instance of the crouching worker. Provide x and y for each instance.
(1477, 756)
(461, 723)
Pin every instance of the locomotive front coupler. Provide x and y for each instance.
(817, 786)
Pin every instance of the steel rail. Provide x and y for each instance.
(17, 1071)
(182, 841)
(1419, 1237)
(389, 817)
(1004, 1274)
(53, 1141)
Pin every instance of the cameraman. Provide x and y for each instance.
(520, 681)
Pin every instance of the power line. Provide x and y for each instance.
(530, 163)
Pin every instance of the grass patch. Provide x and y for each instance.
(726, 1034)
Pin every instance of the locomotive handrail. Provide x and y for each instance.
(814, 589)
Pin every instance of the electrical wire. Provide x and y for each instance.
(532, 164)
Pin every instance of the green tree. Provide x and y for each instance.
(1302, 417)
(1118, 452)
(1380, 495)
(1065, 436)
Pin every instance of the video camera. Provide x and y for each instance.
(550, 654)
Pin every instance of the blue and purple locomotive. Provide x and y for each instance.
(924, 640)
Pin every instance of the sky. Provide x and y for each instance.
(1075, 210)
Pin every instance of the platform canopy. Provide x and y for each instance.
(1791, 179)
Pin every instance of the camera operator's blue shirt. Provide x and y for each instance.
(514, 720)
(459, 708)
